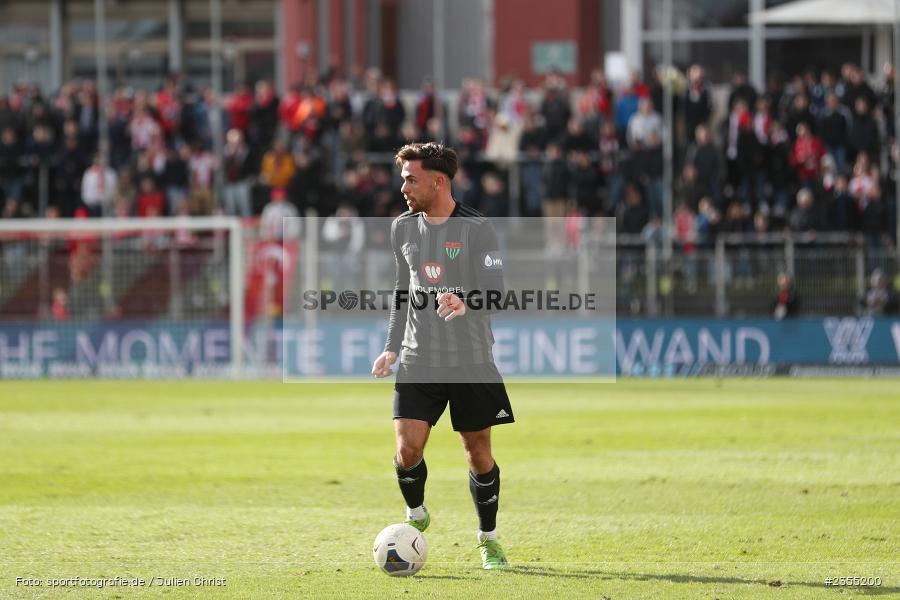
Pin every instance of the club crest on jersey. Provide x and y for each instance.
(433, 271)
(452, 249)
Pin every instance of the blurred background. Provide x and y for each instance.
(746, 149)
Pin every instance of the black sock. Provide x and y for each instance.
(486, 493)
(412, 482)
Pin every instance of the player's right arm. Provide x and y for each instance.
(397, 320)
(382, 365)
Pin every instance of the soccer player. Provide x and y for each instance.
(448, 254)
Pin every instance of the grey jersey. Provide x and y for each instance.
(461, 256)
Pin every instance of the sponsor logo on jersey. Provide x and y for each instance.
(433, 271)
(452, 249)
(492, 260)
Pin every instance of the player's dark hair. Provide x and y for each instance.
(434, 157)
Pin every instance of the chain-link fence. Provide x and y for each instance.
(184, 275)
(175, 275)
(737, 275)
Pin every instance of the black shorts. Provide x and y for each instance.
(477, 396)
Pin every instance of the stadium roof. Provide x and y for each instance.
(828, 12)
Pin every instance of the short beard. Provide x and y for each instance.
(425, 204)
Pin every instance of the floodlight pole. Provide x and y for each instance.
(668, 132)
(438, 52)
(896, 67)
(215, 111)
(102, 91)
(106, 265)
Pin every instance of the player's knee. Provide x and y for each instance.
(481, 464)
(479, 458)
(408, 454)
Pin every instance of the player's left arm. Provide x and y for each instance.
(489, 269)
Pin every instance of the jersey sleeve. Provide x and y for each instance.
(489, 265)
(398, 314)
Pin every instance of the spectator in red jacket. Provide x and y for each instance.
(425, 105)
(150, 200)
(786, 301)
(238, 106)
(288, 105)
(168, 106)
(597, 97)
(806, 155)
(59, 310)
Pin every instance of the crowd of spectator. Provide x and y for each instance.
(815, 153)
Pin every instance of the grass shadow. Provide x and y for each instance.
(678, 578)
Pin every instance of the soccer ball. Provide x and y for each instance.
(400, 550)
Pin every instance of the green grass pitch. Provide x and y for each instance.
(640, 489)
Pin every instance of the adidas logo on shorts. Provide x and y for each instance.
(502, 414)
